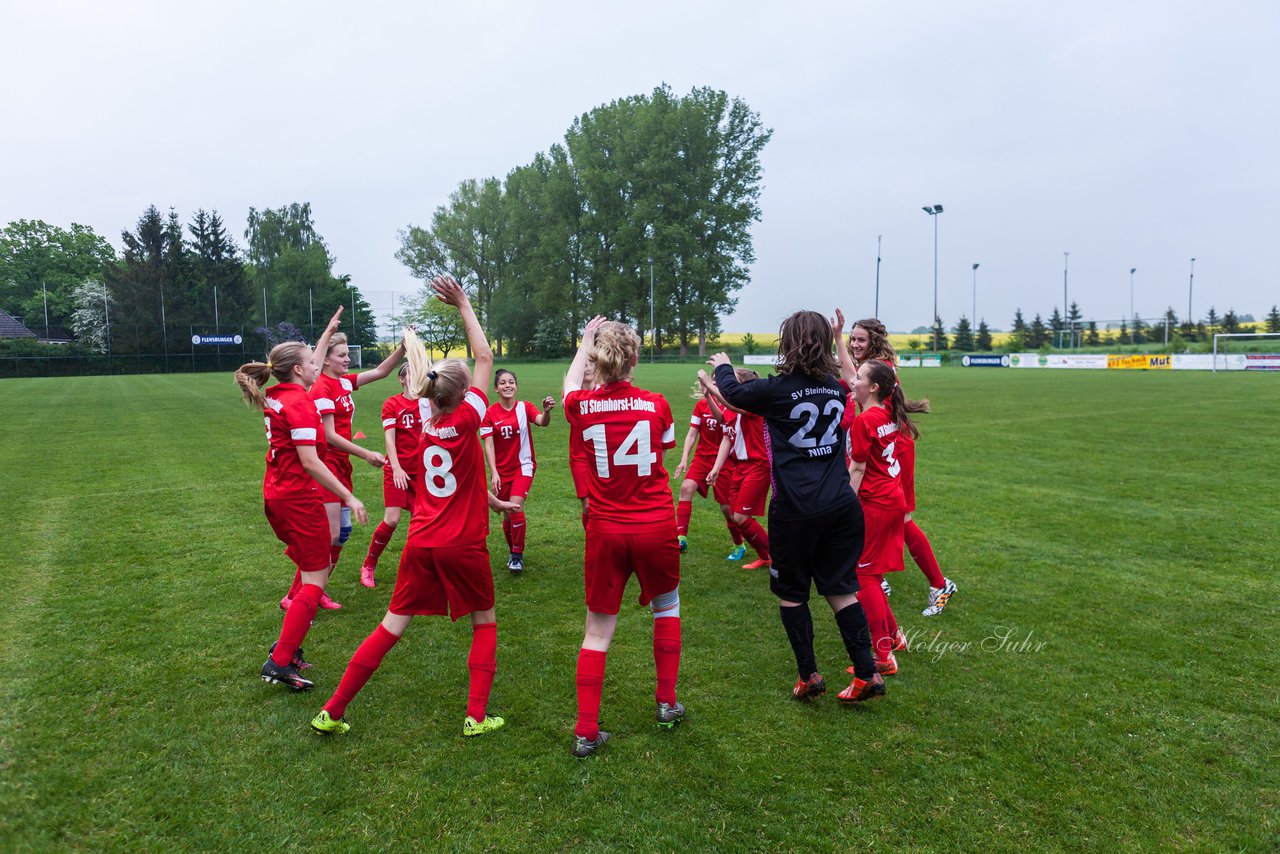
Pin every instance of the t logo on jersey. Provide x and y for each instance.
(406, 421)
(507, 431)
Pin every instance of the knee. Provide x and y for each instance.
(344, 526)
(666, 604)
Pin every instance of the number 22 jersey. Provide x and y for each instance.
(621, 426)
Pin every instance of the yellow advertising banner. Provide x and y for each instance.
(1145, 362)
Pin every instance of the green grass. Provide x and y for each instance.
(1124, 521)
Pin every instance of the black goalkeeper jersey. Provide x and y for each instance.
(806, 444)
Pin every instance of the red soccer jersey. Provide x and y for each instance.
(402, 413)
(333, 397)
(449, 505)
(291, 420)
(512, 439)
(874, 437)
(710, 431)
(620, 425)
(749, 444)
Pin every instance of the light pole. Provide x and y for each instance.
(45, 291)
(877, 314)
(972, 319)
(933, 212)
(1132, 315)
(653, 331)
(1191, 284)
(1065, 256)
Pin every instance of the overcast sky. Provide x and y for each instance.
(1130, 134)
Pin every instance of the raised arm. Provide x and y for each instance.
(384, 369)
(578, 368)
(450, 292)
(712, 396)
(753, 396)
(322, 344)
(848, 370)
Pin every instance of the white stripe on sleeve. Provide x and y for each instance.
(303, 434)
(476, 402)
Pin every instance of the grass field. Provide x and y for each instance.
(1117, 529)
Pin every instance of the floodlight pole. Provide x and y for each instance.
(1190, 285)
(933, 211)
(1065, 256)
(1132, 270)
(215, 309)
(45, 291)
(976, 265)
(877, 314)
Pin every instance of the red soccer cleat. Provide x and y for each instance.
(900, 642)
(366, 575)
(285, 603)
(760, 563)
(861, 690)
(327, 603)
(814, 686)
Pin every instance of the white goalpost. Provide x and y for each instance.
(1218, 335)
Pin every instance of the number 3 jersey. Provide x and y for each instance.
(449, 503)
(624, 430)
(874, 439)
(806, 443)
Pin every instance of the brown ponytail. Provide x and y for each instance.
(252, 376)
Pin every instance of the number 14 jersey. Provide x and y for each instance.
(624, 429)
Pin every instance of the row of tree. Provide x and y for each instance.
(642, 214)
(170, 276)
(1076, 332)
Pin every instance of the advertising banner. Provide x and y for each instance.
(212, 340)
(1262, 362)
(1027, 360)
(920, 362)
(770, 359)
(973, 360)
(1144, 362)
(1204, 362)
(1087, 361)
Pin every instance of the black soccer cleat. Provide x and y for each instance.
(287, 675)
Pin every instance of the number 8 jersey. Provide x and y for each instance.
(624, 429)
(449, 505)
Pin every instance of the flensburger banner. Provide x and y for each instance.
(973, 360)
(1144, 362)
(213, 340)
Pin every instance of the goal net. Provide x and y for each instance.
(1261, 350)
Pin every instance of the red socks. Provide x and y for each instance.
(922, 554)
(296, 585)
(590, 681)
(361, 667)
(684, 509)
(381, 537)
(876, 607)
(481, 663)
(757, 537)
(334, 553)
(666, 657)
(297, 620)
(518, 526)
(734, 530)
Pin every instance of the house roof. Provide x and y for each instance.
(11, 328)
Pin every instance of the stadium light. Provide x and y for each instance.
(1132, 270)
(933, 212)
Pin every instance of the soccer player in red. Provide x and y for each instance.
(631, 528)
(749, 487)
(579, 457)
(401, 427)
(874, 475)
(869, 340)
(814, 516)
(332, 393)
(508, 449)
(707, 429)
(445, 565)
(291, 489)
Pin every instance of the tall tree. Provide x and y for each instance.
(1074, 317)
(1091, 337)
(1018, 332)
(1056, 326)
(38, 260)
(224, 292)
(142, 284)
(1037, 334)
(1212, 320)
(1230, 322)
(1273, 319)
(938, 336)
(983, 341)
(963, 336)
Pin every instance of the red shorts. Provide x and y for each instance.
(751, 490)
(519, 485)
(698, 471)
(394, 496)
(882, 541)
(303, 527)
(907, 477)
(340, 465)
(454, 580)
(610, 559)
(581, 470)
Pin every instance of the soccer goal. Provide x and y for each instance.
(358, 362)
(1271, 364)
